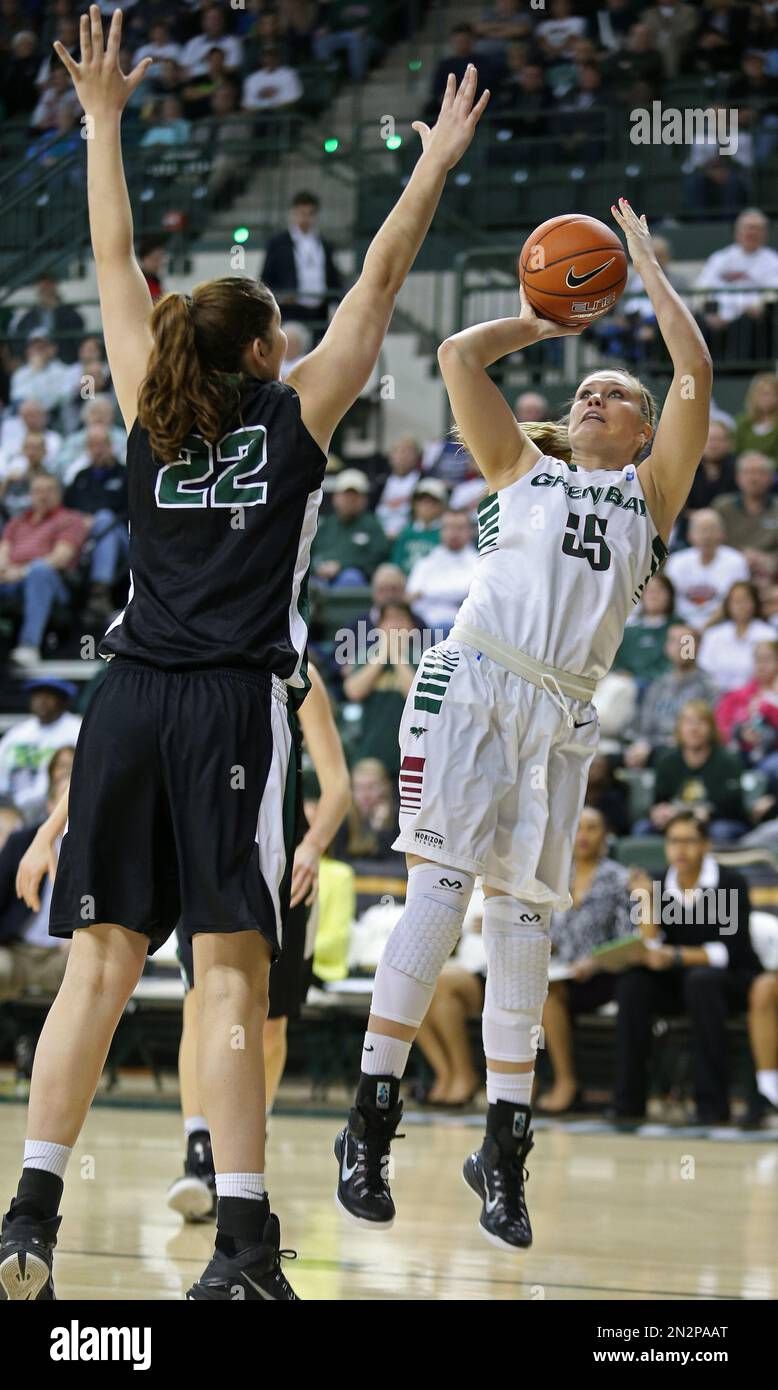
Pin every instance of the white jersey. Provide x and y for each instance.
(564, 555)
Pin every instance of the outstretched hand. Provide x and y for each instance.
(545, 328)
(455, 127)
(99, 81)
(635, 229)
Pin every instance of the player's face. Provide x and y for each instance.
(606, 417)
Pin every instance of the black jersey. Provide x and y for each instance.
(220, 544)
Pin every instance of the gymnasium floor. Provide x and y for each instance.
(661, 1215)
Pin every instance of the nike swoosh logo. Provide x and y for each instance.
(583, 723)
(368, 1049)
(489, 1202)
(574, 281)
(262, 1292)
(345, 1171)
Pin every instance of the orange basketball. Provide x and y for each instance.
(573, 268)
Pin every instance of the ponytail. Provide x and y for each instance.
(184, 391)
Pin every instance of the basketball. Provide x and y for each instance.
(573, 268)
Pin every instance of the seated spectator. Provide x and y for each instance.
(750, 515)
(36, 549)
(371, 824)
(666, 696)
(580, 117)
(227, 134)
(349, 543)
(635, 60)
(719, 185)
(422, 534)
(61, 151)
(57, 92)
(381, 683)
(449, 461)
(735, 320)
(716, 471)
(461, 52)
(26, 749)
(196, 94)
(671, 24)
(642, 651)
(386, 586)
(11, 819)
(613, 22)
(169, 126)
(30, 959)
(757, 427)
(763, 1032)
(194, 55)
(167, 79)
(607, 796)
(747, 717)
(18, 474)
(696, 969)
(43, 376)
(500, 25)
(600, 912)
(438, 583)
(630, 331)
(727, 648)
(523, 107)
(31, 418)
(394, 506)
(458, 998)
(754, 92)
(342, 27)
(19, 91)
(99, 411)
(98, 491)
(531, 405)
(703, 574)
(152, 259)
(557, 34)
(61, 323)
(299, 266)
(699, 774)
(159, 45)
(720, 39)
(272, 86)
(299, 341)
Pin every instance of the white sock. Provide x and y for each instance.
(248, 1185)
(767, 1085)
(195, 1124)
(53, 1158)
(384, 1056)
(515, 1086)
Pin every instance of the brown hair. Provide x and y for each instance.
(194, 376)
(702, 710)
(756, 382)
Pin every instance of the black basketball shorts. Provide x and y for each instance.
(182, 805)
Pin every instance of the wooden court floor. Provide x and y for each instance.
(615, 1216)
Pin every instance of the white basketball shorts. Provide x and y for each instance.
(492, 778)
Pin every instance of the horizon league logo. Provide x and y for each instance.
(429, 837)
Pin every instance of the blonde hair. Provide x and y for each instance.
(756, 382)
(701, 710)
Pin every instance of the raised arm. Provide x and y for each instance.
(667, 474)
(499, 447)
(331, 377)
(125, 301)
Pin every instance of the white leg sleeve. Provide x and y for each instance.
(421, 943)
(517, 948)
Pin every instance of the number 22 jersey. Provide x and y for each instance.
(564, 555)
(220, 543)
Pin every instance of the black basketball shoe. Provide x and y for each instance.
(497, 1174)
(26, 1254)
(193, 1195)
(254, 1273)
(362, 1149)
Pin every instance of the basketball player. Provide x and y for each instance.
(193, 1195)
(499, 728)
(177, 792)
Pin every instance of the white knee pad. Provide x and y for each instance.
(517, 948)
(421, 943)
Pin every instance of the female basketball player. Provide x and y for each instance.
(193, 1194)
(177, 794)
(499, 729)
